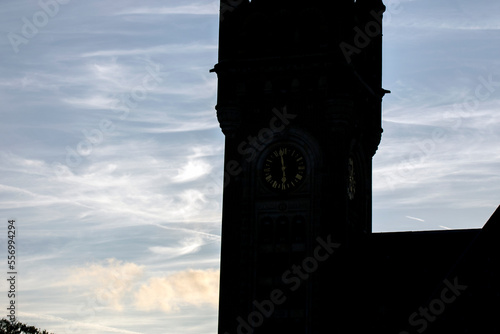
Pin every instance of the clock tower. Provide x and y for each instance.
(299, 102)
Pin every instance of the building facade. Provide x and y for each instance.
(299, 102)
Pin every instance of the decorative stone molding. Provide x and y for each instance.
(229, 117)
(339, 113)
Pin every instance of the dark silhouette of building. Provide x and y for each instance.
(299, 101)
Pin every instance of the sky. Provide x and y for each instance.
(111, 156)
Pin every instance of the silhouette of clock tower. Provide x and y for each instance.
(299, 102)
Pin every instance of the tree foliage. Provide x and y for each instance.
(7, 327)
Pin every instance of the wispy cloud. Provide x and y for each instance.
(71, 324)
(187, 246)
(171, 293)
(450, 15)
(415, 218)
(109, 282)
(211, 8)
(154, 50)
(192, 170)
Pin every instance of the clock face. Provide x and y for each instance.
(284, 168)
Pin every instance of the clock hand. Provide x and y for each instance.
(283, 167)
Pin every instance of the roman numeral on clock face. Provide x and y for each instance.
(284, 168)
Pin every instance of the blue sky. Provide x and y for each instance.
(111, 155)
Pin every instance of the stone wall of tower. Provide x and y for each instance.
(308, 75)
